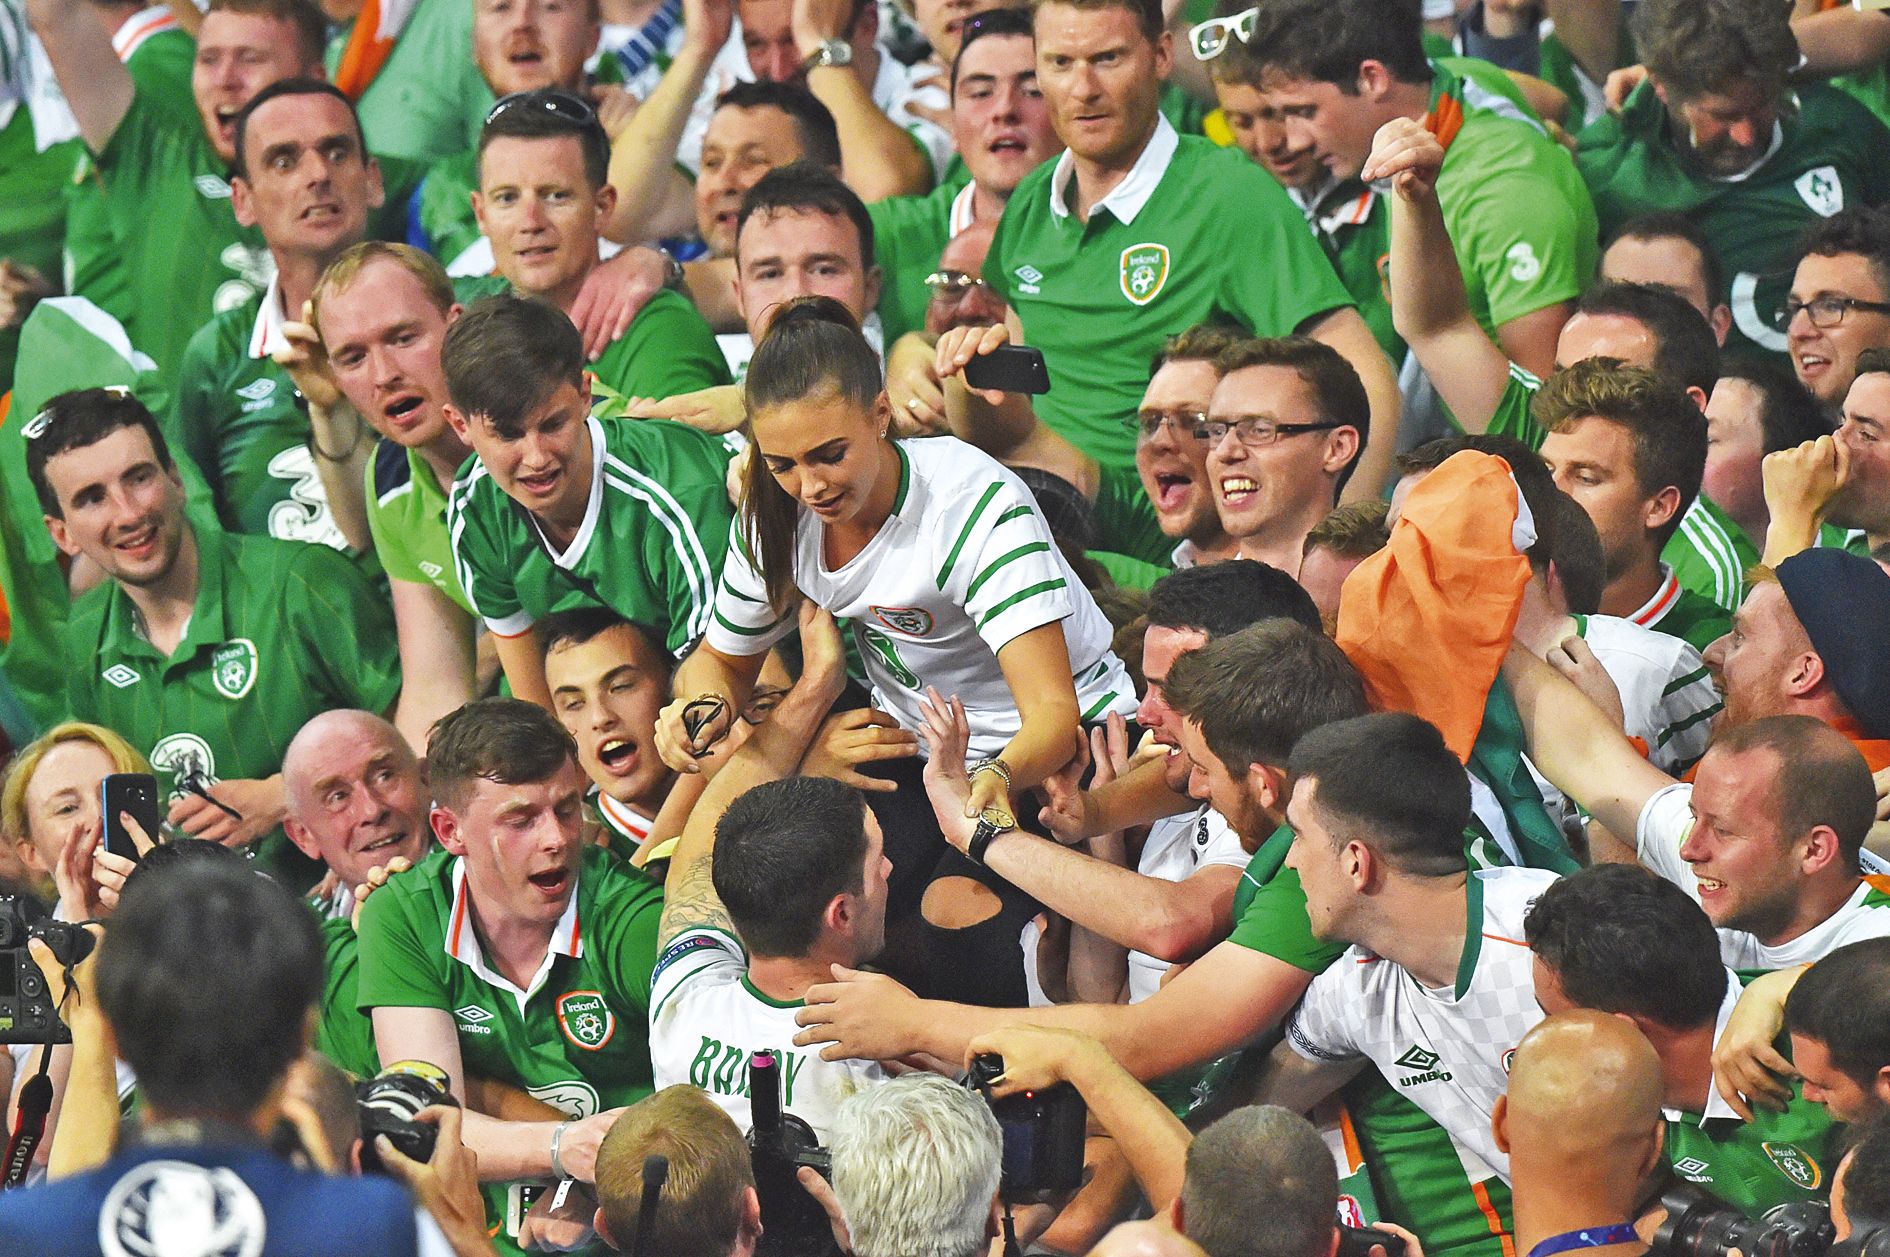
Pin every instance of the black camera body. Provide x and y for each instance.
(27, 1014)
(1043, 1132)
(1700, 1225)
(779, 1144)
(387, 1104)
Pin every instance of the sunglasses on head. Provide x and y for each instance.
(1210, 39)
(563, 105)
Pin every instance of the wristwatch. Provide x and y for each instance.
(674, 277)
(991, 822)
(834, 52)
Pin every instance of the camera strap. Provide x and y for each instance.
(36, 1096)
(1588, 1237)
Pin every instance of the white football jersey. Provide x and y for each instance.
(707, 1020)
(963, 565)
(1178, 847)
(1667, 694)
(1447, 1051)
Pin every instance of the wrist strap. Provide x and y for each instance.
(1590, 1237)
(557, 1140)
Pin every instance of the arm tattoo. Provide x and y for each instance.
(690, 902)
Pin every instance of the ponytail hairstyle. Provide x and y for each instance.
(813, 345)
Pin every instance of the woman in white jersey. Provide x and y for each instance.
(934, 550)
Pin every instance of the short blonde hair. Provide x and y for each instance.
(346, 269)
(709, 1173)
(14, 822)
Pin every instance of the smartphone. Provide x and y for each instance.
(1010, 368)
(134, 793)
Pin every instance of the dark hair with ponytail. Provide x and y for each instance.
(813, 345)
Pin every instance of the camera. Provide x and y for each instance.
(387, 1104)
(792, 1222)
(1358, 1241)
(1698, 1225)
(27, 1014)
(1043, 1134)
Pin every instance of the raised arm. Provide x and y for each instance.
(95, 82)
(1429, 305)
(1842, 41)
(772, 752)
(1344, 331)
(1578, 747)
(878, 158)
(643, 152)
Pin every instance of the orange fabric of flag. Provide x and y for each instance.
(1428, 619)
(369, 43)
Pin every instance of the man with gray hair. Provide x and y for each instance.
(355, 799)
(915, 1169)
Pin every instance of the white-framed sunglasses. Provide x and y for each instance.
(1209, 40)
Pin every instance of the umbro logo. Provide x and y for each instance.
(433, 570)
(212, 187)
(1423, 1063)
(1691, 1168)
(256, 394)
(121, 676)
(1028, 278)
(472, 1019)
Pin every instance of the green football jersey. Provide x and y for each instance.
(185, 257)
(1155, 258)
(1270, 910)
(429, 99)
(444, 206)
(1419, 1178)
(345, 1034)
(281, 632)
(651, 546)
(668, 349)
(159, 53)
(243, 422)
(1752, 1166)
(406, 512)
(32, 210)
(1125, 519)
(577, 1039)
(1828, 155)
(909, 233)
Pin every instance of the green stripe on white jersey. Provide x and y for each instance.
(962, 566)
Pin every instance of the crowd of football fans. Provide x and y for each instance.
(541, 542)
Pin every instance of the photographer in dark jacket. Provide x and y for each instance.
(212, 1046)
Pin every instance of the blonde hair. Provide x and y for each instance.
(14, 822)
(346, 269)
(710, 1172)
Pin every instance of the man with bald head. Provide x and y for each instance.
(1582, 1126)
(355, 798)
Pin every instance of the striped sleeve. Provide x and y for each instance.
(742, 622)
(676, 551)
(1001, 565)
(690, 954)
(484, 573)
(1688, 702)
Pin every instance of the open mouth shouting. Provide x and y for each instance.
(618, 756)
(403, 412)
(1238, 491)
(552, 883)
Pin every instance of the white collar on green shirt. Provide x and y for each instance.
(266, 338)
(462, 941)
(1127, 198)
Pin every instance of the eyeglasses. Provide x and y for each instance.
(1209, 40)
(1148, 423)
(1827, 311)
(1255, 433)
(949, 285)
(560, 104)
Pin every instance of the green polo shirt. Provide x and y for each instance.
(429, 99)
(1156, 257)
(651, 545)
(185, 258)
(668, 349)
(577, 1038)
(281, 632)
(345, 1035)
(909, 233)
(1270, 910)
(406, 513)
(160, 62)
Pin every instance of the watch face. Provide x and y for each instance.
(998, 818)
